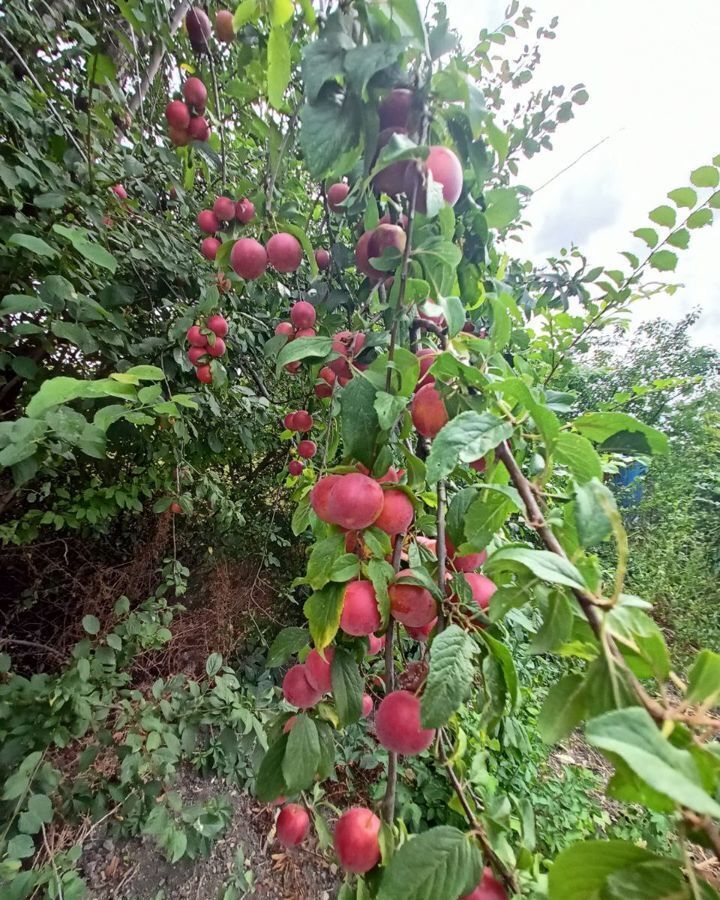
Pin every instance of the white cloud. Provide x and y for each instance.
(650, 68)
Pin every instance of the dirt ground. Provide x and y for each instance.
(135, 869)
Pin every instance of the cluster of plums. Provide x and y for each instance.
(199, 28)
(300, 422)
(224, 212)
(206, 342)
(186, 118)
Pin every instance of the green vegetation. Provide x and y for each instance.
(311, 484)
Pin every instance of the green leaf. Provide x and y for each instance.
(621, 433)
(270, 783)
(663, 215)
(704, 679)
(330, 129)
(91, 624)
(363, 63)
(705, 177)
(664, 261)
(53, 392)
(502, 207)
(580, 872)
(97, 254)
(632, 735)
(542, 563)
(323, 61)
(556, 627)
(578, 454)
(595, 510)
(450, 677)
(281, 11)
(683, 197)
(15, 786)
(50, 200)
(456, 512)
(347, 686)
(303, 348)
(649, 235)
(563, 710)
(359, 420)
(278, 66)
(679, 239)
(388, 408)
(33, 244)
(41, 807)
(465, 438)
(16, 303)
(661, 880)
(287, 643)
(213, 664)
(323, 610)
(246, 11)
(302, 757)
(145, 373)
(322, 556)
(454, 312)
(487, 515)
(441, 862)
(700, 218)
(501, 654)
(21, 846)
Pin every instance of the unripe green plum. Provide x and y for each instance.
(398, 727)
(356, 840)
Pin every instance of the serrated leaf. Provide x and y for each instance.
(663, 215)
(347, 686)
(664, 261)
(323, 610)
(323, 555)
(287, 643)
(649, 235)
(303, 348)
(465, 438)
(440, 862)
(578, 454)
(542, 563)
(632, 735)
(359, 420)
(34, 244)
(700, 218)
(705, 177)
(580, 872)
(450, 677)
(683, 197)
(270, 783)
(679, 239)
(302, 756)
(564, 708)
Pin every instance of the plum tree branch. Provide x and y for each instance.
(157, 57)
(388, 803)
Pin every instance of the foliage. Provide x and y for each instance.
(99, 288)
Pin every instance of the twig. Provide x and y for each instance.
(441, 550)
(388, 804)
(36, 645)
(157, 57)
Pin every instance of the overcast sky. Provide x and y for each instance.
(650, 67)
